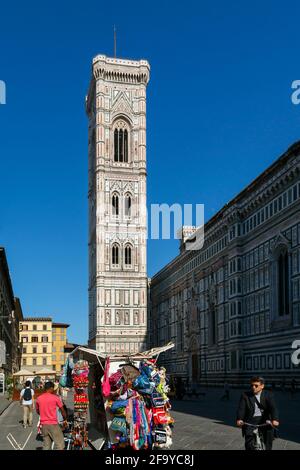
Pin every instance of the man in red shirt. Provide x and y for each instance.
(46, 407)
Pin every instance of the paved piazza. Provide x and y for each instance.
(207, 423)
(204, 423)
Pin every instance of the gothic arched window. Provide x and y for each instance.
(115, 204)
(126, 146)
(116, 137)
(121, 142)
(280, 282)
(128, 205)
(107, 317)
(128, 255)
(121, 145)
(283, 284)
(115, 255)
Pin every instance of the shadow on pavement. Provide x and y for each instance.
(224, 412)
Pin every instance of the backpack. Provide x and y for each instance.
(27, 394)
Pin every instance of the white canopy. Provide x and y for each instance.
(23, 373)
(45, 371)
(92, 354)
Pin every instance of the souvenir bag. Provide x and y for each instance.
(105, 383)
(116, 380)
(118, 407)
(143, 384)
(159, 436)
(119, 424)
(160, 416)
(63, 378)
(156, 378)
(146, 369)
(157, 400)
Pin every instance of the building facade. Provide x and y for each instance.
(10, 315)
(36, 339)
(116, 108)
(59, 342)
(17, 349)
(233, 307)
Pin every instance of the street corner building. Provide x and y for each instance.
(10, 315)
(232, 308)
(116, 109)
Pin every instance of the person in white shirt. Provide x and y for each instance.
(27, 401)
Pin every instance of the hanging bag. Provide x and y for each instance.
(157, 399)
(105, 383)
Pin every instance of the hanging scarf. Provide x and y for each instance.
(105, 383)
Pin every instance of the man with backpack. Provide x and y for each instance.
(27, 401)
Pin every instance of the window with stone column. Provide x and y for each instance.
(128, 256)
(115, 204)
(121, 141)
(115, 255)
(128, 204)
(280, 282)
(283, 283)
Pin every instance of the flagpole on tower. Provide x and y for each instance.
(115, 42)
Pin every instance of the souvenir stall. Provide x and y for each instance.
(127, 397)
(80, 376)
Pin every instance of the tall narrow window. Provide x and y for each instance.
(115, 204)
(116, 135)
(213, 327)
(127, 206)
(125, 146)
(115, 255)
(121, 145)
(128, 255)
(283, 284)
(121, 140)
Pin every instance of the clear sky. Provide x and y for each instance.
(219, 111)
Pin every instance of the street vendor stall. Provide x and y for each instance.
(126, 396)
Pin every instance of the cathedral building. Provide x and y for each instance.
(116, 109)
(232, 308)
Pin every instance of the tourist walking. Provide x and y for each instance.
(27, 401)
(46, 406)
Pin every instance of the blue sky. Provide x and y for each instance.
(219, 112)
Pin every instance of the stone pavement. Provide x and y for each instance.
(206, 423)
(4, 403)
(11, 424)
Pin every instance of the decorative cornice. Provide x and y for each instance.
(121, 70)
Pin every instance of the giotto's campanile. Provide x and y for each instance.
(116, 108)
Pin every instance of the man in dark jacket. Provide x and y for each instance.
(256, 407)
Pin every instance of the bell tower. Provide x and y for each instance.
(116, 109)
